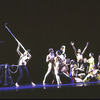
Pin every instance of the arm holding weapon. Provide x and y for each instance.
(19, 44)
(18, 50)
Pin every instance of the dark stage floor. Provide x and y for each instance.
(77, 90)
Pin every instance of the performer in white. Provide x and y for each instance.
(24, 58)
(78, 53)
(57, 65)
(60, 64)
(50, 61)
(63, 65)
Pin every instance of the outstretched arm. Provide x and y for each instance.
(18, 50)
(85, 47)
(72, 43)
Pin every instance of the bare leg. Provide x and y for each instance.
(47, 73)
(56, 74)
(85, 79)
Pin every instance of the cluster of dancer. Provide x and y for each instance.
(81, 70)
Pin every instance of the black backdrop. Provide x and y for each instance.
(42, 24)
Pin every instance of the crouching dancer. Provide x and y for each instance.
(24, 58)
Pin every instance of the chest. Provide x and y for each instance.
(79, 56)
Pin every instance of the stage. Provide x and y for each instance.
(73, 90)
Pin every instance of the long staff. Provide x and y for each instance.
(14, 37)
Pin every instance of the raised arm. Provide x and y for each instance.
(18, 50)
(85, 47)
(72, 43)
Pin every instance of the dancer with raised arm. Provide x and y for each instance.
(24, 58)
(61, 67)
(63, 61)
(50, 61)
(79, 54)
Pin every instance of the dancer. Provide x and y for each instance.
(98, 65)
(79, 54)
(91, 61)
(57, 66)
(61, 66)
(91, 67)
(24, 58)
(72, 74)
(63, 50)
(50, 61)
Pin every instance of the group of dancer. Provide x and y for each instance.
(83, 70)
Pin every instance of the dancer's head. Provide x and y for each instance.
(58, 52)
(91, 54)
(68, 61)
(85, 60)
(27, 52)
(72, 62)
(51, 50)
(63, 48)
(79, 51)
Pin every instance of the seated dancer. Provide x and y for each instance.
(79, 54)
(50, 60)
(73, 72)
(86, 65)
(24, 58)
(82, 71)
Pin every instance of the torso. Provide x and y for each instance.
(23, 60)
(91, 63)
(60, 59)
(50, 58)
(79, 57)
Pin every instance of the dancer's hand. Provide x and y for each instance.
(87, 43)
(72, 43)
(18, 44)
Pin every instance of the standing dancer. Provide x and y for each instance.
(60, 64)
(50, 60)
(79, 54)
(91, 61)
(57, 61)
(24, 58)
(91, 67)
(63, 64)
